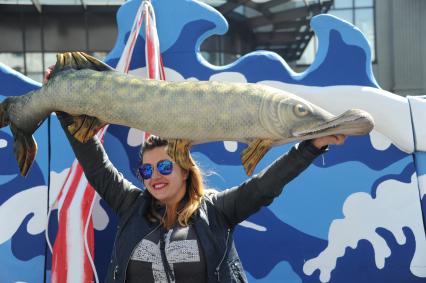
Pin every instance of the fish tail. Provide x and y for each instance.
(25, 146)
(25, 149)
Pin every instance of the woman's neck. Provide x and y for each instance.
(170, 219)
(172, 210)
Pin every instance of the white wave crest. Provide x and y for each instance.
(396, 206)
(3, 143)
(100, 216)
(135, 137)
(171, 75)
(16, 208)
(229, 77)
(56, 182)
(379, 141)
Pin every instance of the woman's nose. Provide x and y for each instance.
(155, 173)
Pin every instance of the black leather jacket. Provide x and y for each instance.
(214, 222)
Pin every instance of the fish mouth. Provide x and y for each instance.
(354, 122)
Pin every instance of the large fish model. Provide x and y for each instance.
(185, 113)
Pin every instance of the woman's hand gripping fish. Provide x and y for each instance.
(185, 113)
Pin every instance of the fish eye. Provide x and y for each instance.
(300, 110)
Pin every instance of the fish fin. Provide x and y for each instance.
(178, 150)
(25, 148)
(78, 61)
(254, 153)
(84, 127)
(94, 63)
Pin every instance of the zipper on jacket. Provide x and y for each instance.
(115, 253)
(115, 272)
(224, 255)
(115, 242)
(169, 273)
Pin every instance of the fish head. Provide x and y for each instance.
(353, 122)
(299, 119)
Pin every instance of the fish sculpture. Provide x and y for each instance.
(185, 113)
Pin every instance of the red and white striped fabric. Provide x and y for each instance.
(73, 251)
(154, 62)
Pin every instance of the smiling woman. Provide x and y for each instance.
(175, 230)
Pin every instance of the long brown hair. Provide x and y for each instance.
(194, 182)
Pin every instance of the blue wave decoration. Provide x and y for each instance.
(123, 155)
(292, 236)
(103, 252)
(404, 177)
(22, 256)
(26, 246)
(374, 159)
(420, 158)
(169, 27)
(343, 57)
(284, 240)
(15, 270)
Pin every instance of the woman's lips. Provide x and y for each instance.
(159, 186)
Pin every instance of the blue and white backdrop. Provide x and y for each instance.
(355, 215)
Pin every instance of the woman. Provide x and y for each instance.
(175, 231)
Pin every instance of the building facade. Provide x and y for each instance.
(395, 29)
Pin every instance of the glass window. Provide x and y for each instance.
(308, 55)
(364, 21)
(250, 12)
(239, 10)
(343, 4)
(38, 77)
(363, 3)
(13, 60)
(100, 55)
(34, 66)
(34, 62)
(49, 59)
(346, 15)
(15, 2)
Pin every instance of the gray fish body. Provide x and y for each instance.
(193, 110)
(185, 113)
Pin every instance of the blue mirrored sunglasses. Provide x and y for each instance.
(164, 167)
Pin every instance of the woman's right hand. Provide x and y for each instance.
(47, 74)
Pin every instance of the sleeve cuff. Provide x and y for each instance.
(309, 151)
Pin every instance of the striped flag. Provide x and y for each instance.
(73, 251)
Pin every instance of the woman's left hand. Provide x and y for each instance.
(327, 140)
